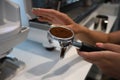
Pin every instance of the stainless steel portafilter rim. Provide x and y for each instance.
(58, 38)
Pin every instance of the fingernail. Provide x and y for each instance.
(35, 8)
(99, 44)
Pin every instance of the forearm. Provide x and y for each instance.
(114, 37)
(91, 37)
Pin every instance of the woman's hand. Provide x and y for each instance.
(108, 61)
(56, 18)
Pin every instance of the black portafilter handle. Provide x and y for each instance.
(86, 47)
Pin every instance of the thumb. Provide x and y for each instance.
(109, 46)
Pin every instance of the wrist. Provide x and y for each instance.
(82, 29)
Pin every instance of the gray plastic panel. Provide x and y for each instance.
(1, 13)
(9, 19)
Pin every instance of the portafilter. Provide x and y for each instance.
(64, 37)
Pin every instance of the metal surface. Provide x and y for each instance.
(10, 67)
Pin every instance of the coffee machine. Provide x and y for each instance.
(12, 32)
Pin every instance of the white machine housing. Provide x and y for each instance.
(12, 32)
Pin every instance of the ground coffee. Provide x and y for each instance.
(61, 32)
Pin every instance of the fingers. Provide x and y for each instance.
(99, 56)
(38, 13)
(92, 57)
(49, 13)
(45, 19)
(53, 14)
(102, 56)
(45, 11)
(109, 46)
